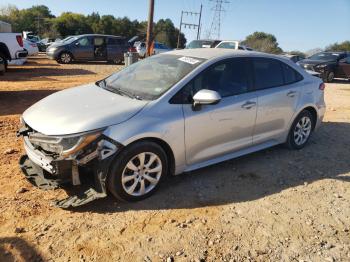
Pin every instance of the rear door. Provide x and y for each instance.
(116, 47)
(83, 48)
(278, 90)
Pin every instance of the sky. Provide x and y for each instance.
(297, 24)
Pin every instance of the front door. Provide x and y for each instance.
(343, 69)
(83, 49)
(215, 130)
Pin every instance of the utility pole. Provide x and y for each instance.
(189, 25)
(199, 23)
(216, 23)
(149, 37)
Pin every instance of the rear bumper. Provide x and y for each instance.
(21, 54)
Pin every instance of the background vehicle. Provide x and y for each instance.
(90, 47)
(2, 66)
(202, 44)
(233, 45)
(330, 65)
(172, 113)
(11, 47)
(158, 48)
(30, 47)
(294, 58)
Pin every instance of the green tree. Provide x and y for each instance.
(263, 42)
(71, 24)
(344, 46)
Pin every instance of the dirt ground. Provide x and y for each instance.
(274, 205)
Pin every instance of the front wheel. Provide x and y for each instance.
(329, 77)
(65, 58)
(300, 131)
(137, 171)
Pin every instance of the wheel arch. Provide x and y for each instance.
(164, 145)
(4, 49)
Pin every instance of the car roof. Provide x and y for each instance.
(117, 36)
(211, 53)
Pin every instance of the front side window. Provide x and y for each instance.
(84, 41)
(150, 78)
(228, 78)
(268, 73)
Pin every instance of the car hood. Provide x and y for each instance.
(80, 109)
(314, 62)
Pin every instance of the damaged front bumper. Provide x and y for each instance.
(47, 171)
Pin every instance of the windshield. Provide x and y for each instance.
(200, 44)
(150, 78)
(325, 56)
(228, 45)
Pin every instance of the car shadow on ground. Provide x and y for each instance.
(24, 73)
(16, 102)
(17, 249)
(341, 81)
(248, 178)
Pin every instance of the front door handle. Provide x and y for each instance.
(248, 105)
(291, 93)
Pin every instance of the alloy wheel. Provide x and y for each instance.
(302, 130)
(141, 174)
(65, 58)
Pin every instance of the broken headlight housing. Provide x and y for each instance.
(62, 145)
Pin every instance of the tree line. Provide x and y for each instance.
(41, 21)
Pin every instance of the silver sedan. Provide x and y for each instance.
(165, 115)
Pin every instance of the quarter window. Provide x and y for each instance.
(268, 73)
(290, 75)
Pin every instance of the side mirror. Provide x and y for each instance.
(344, 61)
(77, 44)
(206, 97)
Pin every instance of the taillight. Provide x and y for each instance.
(322, 86)
(132, 49)
(19, 40)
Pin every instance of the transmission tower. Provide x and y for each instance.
(218, 9)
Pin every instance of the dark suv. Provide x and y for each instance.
(91, 47)
(330, 65)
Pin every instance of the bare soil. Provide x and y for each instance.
(274, 205)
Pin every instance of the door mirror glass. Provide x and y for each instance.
(343, 60)
(206, 97)
(77, 44)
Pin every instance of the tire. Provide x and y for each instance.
(65, 58)
(125, 180)
(300, 130)
(5, 60)
(329, 77)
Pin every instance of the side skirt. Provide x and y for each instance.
(232, 155)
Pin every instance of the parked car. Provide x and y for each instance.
(203, 44)
(2, 66)
(228, 44)
(294, 58)
(92, 47)
(30, 47)
(330, 65)
(158, 48)
(168, 114)
(11, 47)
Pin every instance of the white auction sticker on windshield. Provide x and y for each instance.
(189, 60)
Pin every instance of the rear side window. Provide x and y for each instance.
(290, 75)
(268, 73)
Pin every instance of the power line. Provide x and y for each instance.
(215, 27)
(189, 25)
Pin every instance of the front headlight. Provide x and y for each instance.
(64, 146)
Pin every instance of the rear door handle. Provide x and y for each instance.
(291, 93)
(248, 105)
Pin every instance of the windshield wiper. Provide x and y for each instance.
(123, 92)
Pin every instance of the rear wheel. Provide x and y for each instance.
(5, 60)
(301, 130)
(137, 171)
(65, 58)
